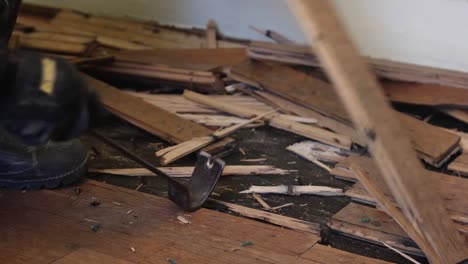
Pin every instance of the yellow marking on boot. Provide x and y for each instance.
(49, 73)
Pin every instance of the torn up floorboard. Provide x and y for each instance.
(148, 117)
(433, 144)
(371, 225)
(387, 69)
(452, 189)
(56, 226)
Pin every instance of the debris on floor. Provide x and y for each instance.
(196, 90)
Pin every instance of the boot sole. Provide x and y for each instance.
(48, 183)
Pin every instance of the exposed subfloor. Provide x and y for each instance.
(261, 142)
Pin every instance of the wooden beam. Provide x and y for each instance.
(376, 121)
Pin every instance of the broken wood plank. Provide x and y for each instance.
(291, 84)
(451, 189)
(460, 164)
(295, 190)
(148, 117)
(156, 121)
(183, 172)
(280, 220)
(375, 189)
(218, 105)
(426, 94)
(377, 122)
(459, 114)
(47, 45)
(381, 227)
(183, 149)
(433, 144)
(322, 120)
(311, 132)
(277, 121)
(189, 59)
(386, 69)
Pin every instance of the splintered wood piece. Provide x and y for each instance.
(296, 190)
(291, 84)
(219, 105)
(388, 206)
(278, 121)
(322, 120)
(262, 202)
(183, 172)
(386, 138)
(311, 150)
(174, 153)
(312, 132)
(276, 219)
(433, 144)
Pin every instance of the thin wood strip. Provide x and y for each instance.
(229, 170)
(284, 221)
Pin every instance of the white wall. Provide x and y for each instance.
(428, 32)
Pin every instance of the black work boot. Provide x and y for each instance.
(49, 166)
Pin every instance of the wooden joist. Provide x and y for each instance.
(311, 151)
(386, 138)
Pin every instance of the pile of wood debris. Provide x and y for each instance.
(223, 85)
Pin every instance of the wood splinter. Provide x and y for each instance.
(295, 190)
